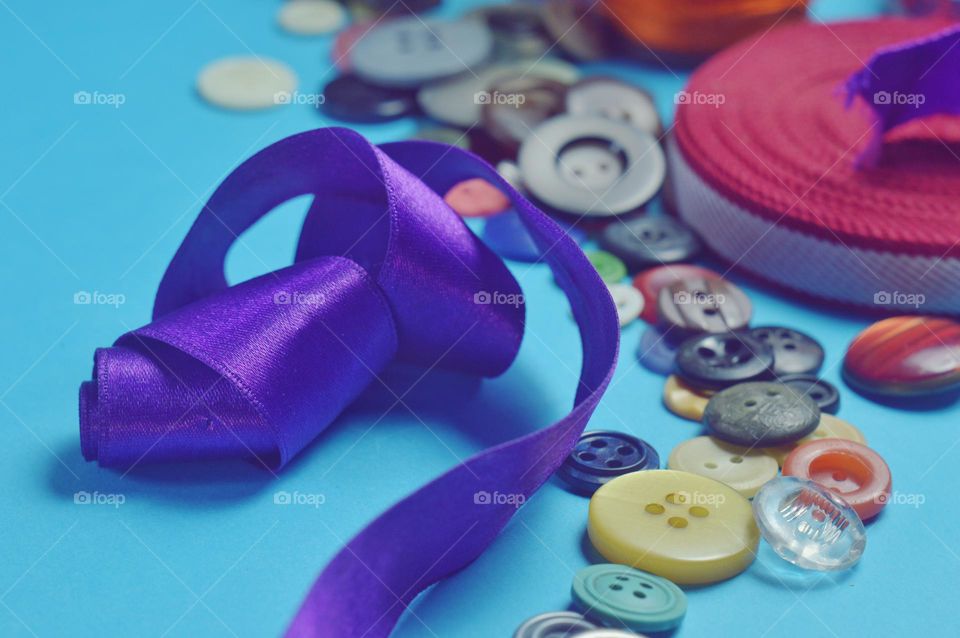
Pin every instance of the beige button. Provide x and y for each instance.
(246, 83)
(684, 401)
(744, 470)
(312, 17)
(830, 428)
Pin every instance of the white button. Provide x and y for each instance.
(629, 302)
(311, 17)
(744, 470)
(246, 83)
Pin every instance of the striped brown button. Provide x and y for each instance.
(702, 304)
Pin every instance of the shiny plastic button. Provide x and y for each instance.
(744, 470)
(823, 393)
(830, 428)
(476, 197)
(629, 302)
(684, 527)
(849, 469)
(608, 266)
(602, 455)
(793, 351)
(716, 361)
(684, 401)
(623, 596)
(808, 525)
(703, 304)
(615, 100)
(657, 351)
(760, 414)
(650, 282)
(351, 99)
(554, 624)
(649, 241)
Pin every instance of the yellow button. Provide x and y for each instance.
(687, 528)
(683, 400)
(830, 428)
(744, 470)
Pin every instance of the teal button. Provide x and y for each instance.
(622, 596)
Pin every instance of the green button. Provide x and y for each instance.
(620, 595)
(609, 266)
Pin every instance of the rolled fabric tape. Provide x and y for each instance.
(764, 158)
(260, 368)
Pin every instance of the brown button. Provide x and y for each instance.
(513, 107)
(699, 304)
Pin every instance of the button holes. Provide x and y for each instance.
(773, 393)
(646, 585)
(639, 594)
(763, 335)
(604, 167)
(705, 353)
(789, 346)
(616, 587)
(598, 443)
(675, 499)
(816, 395)
(587, 456)
(614, 463)
(733, 347)
(710, 311)
(750, 403)
(625, 450)
(622, 578)
(710, 466)
(785, 334)
(677, 522)
(699, 512)
(654, 508)
(736, 459)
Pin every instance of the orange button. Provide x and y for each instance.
(476, 198)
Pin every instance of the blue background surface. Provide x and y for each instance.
(96, 198)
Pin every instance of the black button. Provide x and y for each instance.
(350, 99)
(649, 241)
(602, 455)
(823, 393)
(761, 414)
(714, 361)
(793, 351)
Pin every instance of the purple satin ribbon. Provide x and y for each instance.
(384, 270)
(907, 81)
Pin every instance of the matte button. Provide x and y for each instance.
(409, 51)
(615, 100)
(716, 361)
(554, 624)
(351, 99)
(650, 282)
(246, 83)
(703, 304)
(591, 166)
(761, 414)
(658, 350)
(513, 107)
(629, 302)
(793, 351)
(608, 266)
(830, 427)
(476, 197)
(506, 235)
(602, 455)
(823, 393)
(852, 470)
(649, 241)
(622, 596)
(808, 525)
(311, 17)
(684, 401)
(903, 356)
(684, 527)
(742, 469)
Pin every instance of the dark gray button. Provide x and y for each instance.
(697, 304)
(649, 241)
(793, 351)
(823, 393)
(615, 100)
(761, 414)
(554, 624)
(714, 361)
(351, 99)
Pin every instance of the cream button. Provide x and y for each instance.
(683, 400)
(742, 469)
(246, 83)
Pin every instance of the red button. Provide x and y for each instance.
(851, 470)
(476, 198)
(649, 282)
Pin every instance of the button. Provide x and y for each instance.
(684, 527)
(455, 101)
(608, 266)
(409, 51)
(554, 624)
(808, 525)
(344, 42)
(683, 400)
(444, 135)
(626, 597)
(830, 428)
(744, 470)
(608, 632)
(311, 17)
(650, 282)
(903, 356)
(518, 30)
(629, 302)
(602, 455)
(649, 241)
(351, 99)
(513, 107)
(852, 470)
(823, 393)
(658, 350)
(761, 414)
(510, 172)
(591, 166)
(506, 235)
(370, 9)
(615, 100)
(715, 361)
(476, 197)
(578, 31)
(793, 351)
(703, 304)
(246, 83)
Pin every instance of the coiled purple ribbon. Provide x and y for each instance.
(384, 270)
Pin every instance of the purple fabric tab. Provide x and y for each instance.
(384, 269)
(907, 81)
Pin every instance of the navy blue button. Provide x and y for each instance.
(823, 393)
(601, 456)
